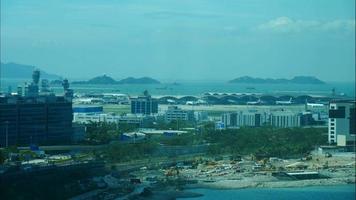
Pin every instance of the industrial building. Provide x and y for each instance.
(177, 114)
(342, 122)
(36, 118)
(144, 105)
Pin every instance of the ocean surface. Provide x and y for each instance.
(200, 87)
(343, 192)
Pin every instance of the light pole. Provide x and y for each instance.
(7, 133)
(0, 77)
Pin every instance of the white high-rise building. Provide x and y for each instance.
(342, 122)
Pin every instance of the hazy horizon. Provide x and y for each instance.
(182, 40)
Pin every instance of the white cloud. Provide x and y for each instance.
(286, 24)
(347, 25)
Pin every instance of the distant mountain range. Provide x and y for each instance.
(108, 80)
(19, 71)
(295, 80)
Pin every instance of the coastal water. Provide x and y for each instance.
(343, 192)
(201, 87)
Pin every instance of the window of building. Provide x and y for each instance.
(339, 113)
(341, 108)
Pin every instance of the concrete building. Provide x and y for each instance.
(177, 114)
(35, 118)
(139, 120)
(239, 119)
(201, 116)
(285, 119)
(342, 122)
(255, 118)
(79, 132)
(144, 105)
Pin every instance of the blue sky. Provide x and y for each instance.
(182, 39)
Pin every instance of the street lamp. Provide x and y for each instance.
(6, 133)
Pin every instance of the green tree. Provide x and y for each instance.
(2, 156)
(101, 132)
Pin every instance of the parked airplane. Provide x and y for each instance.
(198, 102)
(171, 101)
(313, 105)
(284, 102)
(201, 102)
(190, 103)
(258, 102)
(88, 100)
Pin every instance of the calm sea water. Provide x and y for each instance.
(198, 88)
(344, 192)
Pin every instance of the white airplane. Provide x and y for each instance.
(83, 100)
(231, 101)
(198, 102)
(114, 95)
(171, 101)
(190, 103)
(313, 105)
(284, 102)
(254, 102)
(201, 101)
(88, 100)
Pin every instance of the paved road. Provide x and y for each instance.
(66, 147)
